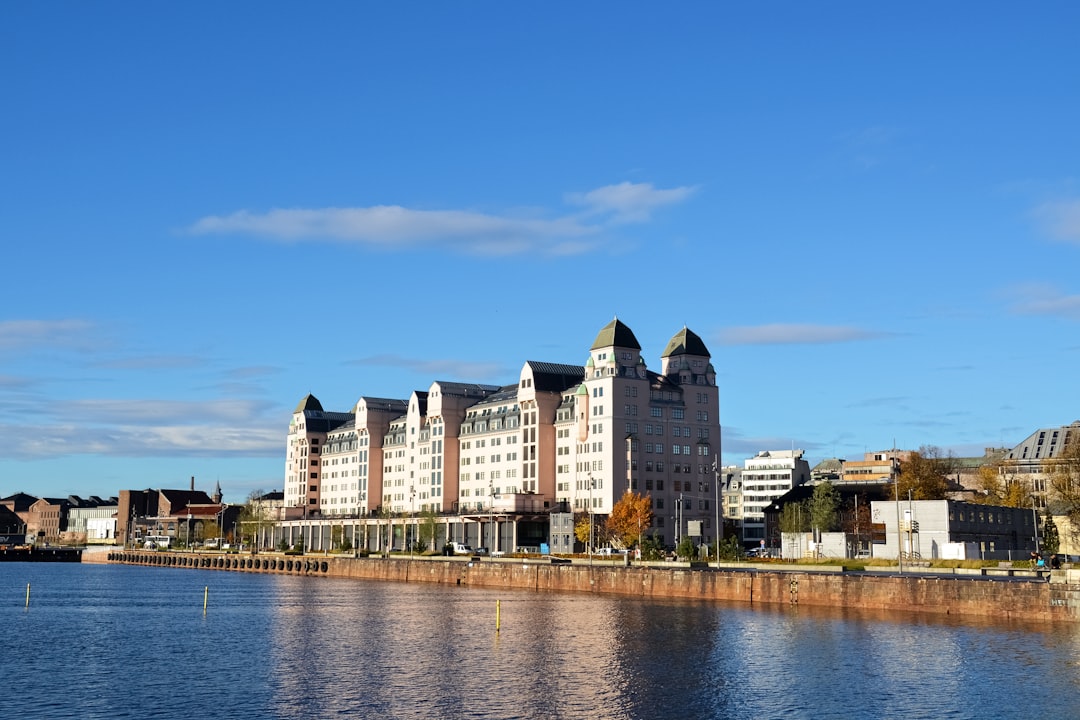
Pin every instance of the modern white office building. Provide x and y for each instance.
(563, 436)
(766, 477)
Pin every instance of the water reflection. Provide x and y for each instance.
(133, 642)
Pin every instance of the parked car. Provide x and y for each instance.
(607, 551)
(457, 548)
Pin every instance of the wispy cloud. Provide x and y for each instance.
(1040, 299)
(439, 369)
(171, 412)
(737, 446)
(27, 442)
(797, 334)
(144, 428)
(18, 334)
(1061, 219)
(629, 202)
(896, 402)
(397, 227)
(152, 362)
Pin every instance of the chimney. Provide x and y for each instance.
(192, 483)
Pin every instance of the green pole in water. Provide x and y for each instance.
(27, 594)
(205, 596)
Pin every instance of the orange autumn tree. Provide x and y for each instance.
(630, 518)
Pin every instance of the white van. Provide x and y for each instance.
(460, 548)
(157, 542)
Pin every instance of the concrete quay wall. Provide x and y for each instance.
(1033, 600)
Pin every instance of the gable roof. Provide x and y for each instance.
(10, 523)
(19, 502)
(178, 498)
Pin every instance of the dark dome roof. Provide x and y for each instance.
(686, 342)
(310, 402)
(617, 334)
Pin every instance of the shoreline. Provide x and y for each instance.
(1052, 599)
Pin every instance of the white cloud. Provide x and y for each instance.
(28, 333)
(1061, 219)
(165, 412)
(629, 202)
(1038, 299)
(449, 370)
(152, 362)
(144, 428)
(795, 334)
(396, 227)
(26, 442)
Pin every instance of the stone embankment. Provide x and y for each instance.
(1036, 599)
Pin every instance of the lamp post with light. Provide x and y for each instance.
(589, 545)
(221, 525)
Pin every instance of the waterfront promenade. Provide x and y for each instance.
(1035, 597)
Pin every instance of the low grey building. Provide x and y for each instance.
(922, 529)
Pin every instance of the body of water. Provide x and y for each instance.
(100, 641)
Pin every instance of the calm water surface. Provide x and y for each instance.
(132, 642)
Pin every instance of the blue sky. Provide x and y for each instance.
(870, 212)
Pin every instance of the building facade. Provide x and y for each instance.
(923, 528)
(570, 436)
(876, 468)
(91, 521)
(1032, 461)
(766, 477)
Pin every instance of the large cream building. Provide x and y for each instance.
(562, 437)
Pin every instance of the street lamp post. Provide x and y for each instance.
(1035, 519)
(221, 525)
(491, 515)
(412, 511)
(589, 545)
(719, 527)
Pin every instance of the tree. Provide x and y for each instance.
(993, 487)
(731, 548)
(426, 529)
(255, 517)
(795, 517)
(651, 549)
(581, 527)
(824, 508)
(630, 517)
(925, 474)
(1065, 480)
(1051, 541)
(685, 548)
(210, 529)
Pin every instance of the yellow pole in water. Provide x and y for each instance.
(498, 612)
(27, 594)
(205, 596)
